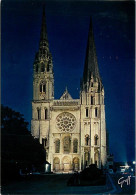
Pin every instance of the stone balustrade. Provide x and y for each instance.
(66, 102)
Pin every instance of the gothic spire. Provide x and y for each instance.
(43, 36)
(91, 64)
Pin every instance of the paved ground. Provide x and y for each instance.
(56, 184)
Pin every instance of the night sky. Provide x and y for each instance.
(67, 28)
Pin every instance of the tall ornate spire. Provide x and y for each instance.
(91, 64)
(43, 83)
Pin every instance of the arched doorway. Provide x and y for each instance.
(76, 164)
(96, 158)
(66, 163)
(56, 164)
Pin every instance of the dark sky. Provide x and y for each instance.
(67, 27)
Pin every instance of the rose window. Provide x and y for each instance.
(66, 122)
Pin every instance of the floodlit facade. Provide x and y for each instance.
(73, 131)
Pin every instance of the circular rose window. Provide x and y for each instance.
(66, 122)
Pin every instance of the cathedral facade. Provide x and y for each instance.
(72, 131)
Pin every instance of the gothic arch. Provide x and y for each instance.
(42, 67)
(56, 164)
(96, 158)
(48, 67)
(42, 87)
(67, 144)
(57, 146)
(45, 113)
(96, 138)
(87, 140)
(75, 145)
(44, 142)
(38, 113)
(76, 164)
(66, 162)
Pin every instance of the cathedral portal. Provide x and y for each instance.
(66, 163)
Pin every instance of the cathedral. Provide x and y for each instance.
(72, 131)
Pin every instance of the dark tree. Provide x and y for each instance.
(18, 147)
(12, 122)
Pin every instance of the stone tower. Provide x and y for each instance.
(43, 88)
(43, 78)
(93, 147)
(72, 131)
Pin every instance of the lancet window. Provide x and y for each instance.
(86, 112)
(42, 67)
(96, 112)
(38, 113)
(75, 146)
(46, 113)
(87, 140)
(67, 144)
(44, 142)
(96, 140)
(57, 146)
(91, 100)
(42, 87)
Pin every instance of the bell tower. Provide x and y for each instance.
(43, 76)
(43, 89)
(93, 127)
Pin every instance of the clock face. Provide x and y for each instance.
(66, 122)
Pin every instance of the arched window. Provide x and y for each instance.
(57, 146)
(87, 140)
(96, 158)
(42, 67)
(96, 140)
(86, 112)
(38, 113)
(67, 144)
(96, 112)
(91, 100)
(44, 140)
(76, 164)
(46, 113)
(75, 146)
(56, 164)
(42, 87)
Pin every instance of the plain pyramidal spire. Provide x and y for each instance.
(91, 64)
